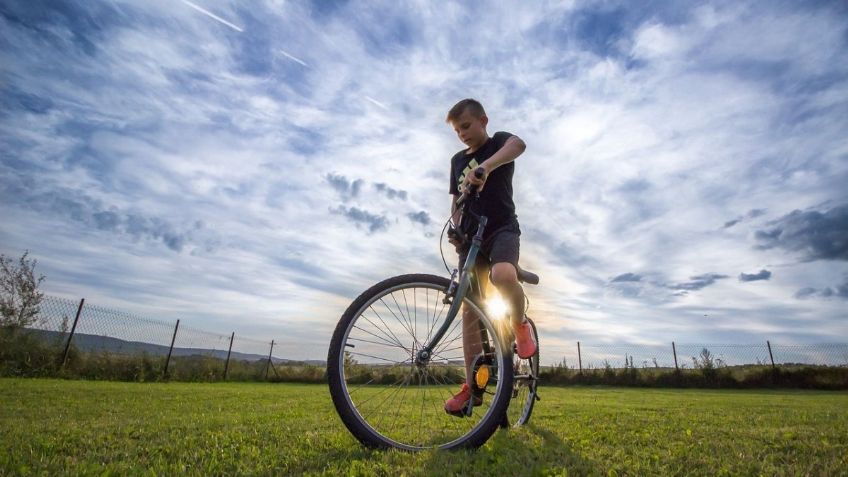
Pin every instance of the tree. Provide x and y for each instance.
(20, 300)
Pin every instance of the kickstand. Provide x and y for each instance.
(504, 422)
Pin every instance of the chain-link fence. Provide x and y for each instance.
(89, 338)
(99, 342)
(687, 355)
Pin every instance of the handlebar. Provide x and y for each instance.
(472, 189)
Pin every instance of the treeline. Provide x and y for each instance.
(733, 377)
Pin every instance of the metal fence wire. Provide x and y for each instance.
(180, 349)
(183, 349)
(688, 355)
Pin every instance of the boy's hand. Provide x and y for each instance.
(477, 178)
(454, 238)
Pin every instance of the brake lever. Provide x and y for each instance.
(472, 189)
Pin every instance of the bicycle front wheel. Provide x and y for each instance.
(385, 398)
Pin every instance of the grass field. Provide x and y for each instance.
(51, 427)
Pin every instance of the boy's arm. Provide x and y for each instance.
(512, 148)
(455, 214)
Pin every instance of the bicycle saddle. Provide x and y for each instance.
(528, 277)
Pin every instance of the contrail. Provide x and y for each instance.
(369, 98)
(293, 58)
(212, 15)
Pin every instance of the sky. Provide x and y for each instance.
(254, 166)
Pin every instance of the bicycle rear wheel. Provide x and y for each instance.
(384, 398)
(524, 385)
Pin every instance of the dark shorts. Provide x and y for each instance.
(501, 246)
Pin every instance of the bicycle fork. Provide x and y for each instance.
(426, 353)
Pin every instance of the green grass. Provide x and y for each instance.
(51, 427)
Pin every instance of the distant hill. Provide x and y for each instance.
(96, 343)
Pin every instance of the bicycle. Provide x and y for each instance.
(393, 359)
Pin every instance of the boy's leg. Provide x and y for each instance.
(472, 344)
(504, 258)
(505, 279)
(472, 341)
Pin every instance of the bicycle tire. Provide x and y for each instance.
(342, 369)
(525, 385)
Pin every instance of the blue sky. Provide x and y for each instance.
(253, 166)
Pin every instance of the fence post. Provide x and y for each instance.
(579, 359)
(71, 336)
(768, 343)
(227, 364)
(674, 350)
(171, 349)
(268, 366)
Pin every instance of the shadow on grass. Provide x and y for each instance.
(532, 450)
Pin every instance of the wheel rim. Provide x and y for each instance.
(400, 403)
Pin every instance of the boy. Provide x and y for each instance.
(495, 155)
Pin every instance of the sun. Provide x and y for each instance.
(496, 307)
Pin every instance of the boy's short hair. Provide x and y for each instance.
(471, 105)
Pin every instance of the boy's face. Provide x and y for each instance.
(470, 129)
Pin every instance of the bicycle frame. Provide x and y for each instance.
(423, 356)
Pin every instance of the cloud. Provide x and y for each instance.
(422, 217)
(698, 282)
(373, 222)
(390, 193)
(68, 204)
(752, 277)
(838, 291)
(818, 236)
(347, 189)
(627, 277)
(753, 213)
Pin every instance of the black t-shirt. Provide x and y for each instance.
(496, 199)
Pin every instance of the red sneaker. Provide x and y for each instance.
(525, 342)
(458, 404)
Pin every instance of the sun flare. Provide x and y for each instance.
(496, 307)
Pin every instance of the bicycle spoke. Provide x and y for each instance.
(435, 319)
(442, 344)
(389, 337)
(449, 359)
(374, 342)
(406, 320)
(409, 360)
(401, 400)
(390, 343)
(451, 349)
(404, 324)
(362, 404)
(414, 322)
(360, 386)
(387, 327)
(388, 398)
